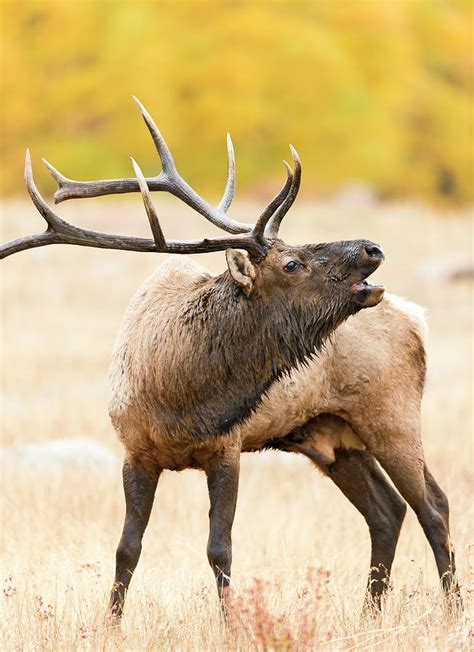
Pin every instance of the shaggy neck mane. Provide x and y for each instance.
(240, 347)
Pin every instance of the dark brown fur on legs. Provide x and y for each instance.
(139, 487)
(361, 480)
(435, 523)
(223, 482)
(416, 484)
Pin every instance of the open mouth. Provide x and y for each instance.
(366, 294)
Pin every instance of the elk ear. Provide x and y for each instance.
(241, 269)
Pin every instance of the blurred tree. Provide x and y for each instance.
(374, 91)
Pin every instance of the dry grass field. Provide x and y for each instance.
(300, 549)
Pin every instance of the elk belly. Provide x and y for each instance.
(325, 434)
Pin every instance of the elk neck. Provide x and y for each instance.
(241, 346)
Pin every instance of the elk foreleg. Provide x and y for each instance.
(139, 486)
(223, 482)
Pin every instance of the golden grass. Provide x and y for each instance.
(294, 532)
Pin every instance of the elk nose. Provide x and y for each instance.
(374, 251)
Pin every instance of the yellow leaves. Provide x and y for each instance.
(377, 91)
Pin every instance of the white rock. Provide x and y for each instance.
(75, 452)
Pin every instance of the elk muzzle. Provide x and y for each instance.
(365, 294)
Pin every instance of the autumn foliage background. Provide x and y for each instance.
(368, 91)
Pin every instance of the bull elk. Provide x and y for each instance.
(192, 386)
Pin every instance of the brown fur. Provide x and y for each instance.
(371, 381)
(196, 354)
(370, 374)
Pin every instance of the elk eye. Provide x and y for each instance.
(291, 266)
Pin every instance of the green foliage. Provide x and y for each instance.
(374, 91)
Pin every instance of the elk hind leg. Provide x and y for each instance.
(358, 475)
(413, 479)
(363, 482)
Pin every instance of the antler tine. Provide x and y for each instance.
(259, 228)
(39, 239)
(60, 179)
(169, 168)
(55, 223)
(229, 191)
(273, 225)
(158, 236)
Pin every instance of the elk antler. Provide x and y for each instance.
(282, 208)
(253, 238)
(61, 232)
